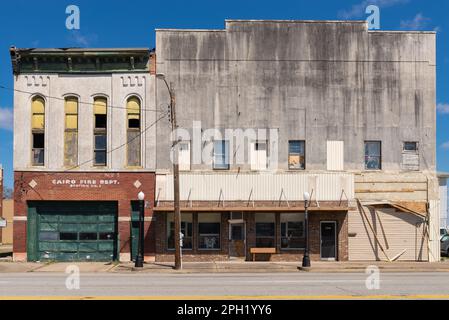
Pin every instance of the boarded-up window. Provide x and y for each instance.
(335, 155)
(38, 130)
(100, 135)
(134, 131)
(410, 156)
(71, 132)
(297, 155)
(184, 155)
(259, 155)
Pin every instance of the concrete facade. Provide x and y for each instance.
(317, 81)
(116, 87)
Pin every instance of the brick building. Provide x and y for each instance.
(267, 110)
(82, 152)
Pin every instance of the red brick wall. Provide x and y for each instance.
(48, 189)
(162, 254)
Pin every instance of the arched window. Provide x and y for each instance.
(100, 131)
(38, 130)
(134, 131)
(71, 132)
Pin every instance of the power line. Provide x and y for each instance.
(122, 145)
(63, 99)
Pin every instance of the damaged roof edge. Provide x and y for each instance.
(80, 50)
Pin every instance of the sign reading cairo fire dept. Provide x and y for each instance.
(85, 183)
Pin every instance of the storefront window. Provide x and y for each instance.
(265, 230)
(209, 225)
(186, 230)
(292, 231)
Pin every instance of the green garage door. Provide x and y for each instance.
(72, 231)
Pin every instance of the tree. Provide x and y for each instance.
(7, 193)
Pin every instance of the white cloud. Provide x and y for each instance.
(443, 108)
(358, 10)
(6, 119)
(82, 40)
(417, 23)
(445, 146)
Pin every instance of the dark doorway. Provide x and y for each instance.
(328, 240)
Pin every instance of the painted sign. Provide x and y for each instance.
(85, 183)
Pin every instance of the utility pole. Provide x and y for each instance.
(178, 260)
(177, 210)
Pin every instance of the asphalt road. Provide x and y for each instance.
(227, 286)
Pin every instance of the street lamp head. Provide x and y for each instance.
(160, 76)
(306, 196)
(141, 196)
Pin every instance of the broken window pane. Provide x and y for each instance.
(296, 155)
(373, 155)
(411, 146)
(100, 121)
(134, 123)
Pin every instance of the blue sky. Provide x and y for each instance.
(131, 23)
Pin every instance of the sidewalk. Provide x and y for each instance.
(226, 267)
(274, 267)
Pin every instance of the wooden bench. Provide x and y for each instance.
(255, 251)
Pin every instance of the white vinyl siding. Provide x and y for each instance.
(396, 231)
(259, 154)
(335, 155)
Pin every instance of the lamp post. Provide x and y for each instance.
(140, 246)
(306, 258)
(176, 200)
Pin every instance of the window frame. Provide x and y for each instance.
(71, 130)
(282, 236)
(404, 150)
(303, 142)
(169, 229)
(38, 131)
(136, 130)
(366, 156)
(266, 237)
(99, 131)
(199, 235)
(226, 155)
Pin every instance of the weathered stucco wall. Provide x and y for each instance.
(314, 81)
(115, 87)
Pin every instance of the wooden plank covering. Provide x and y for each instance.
(396, 231)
